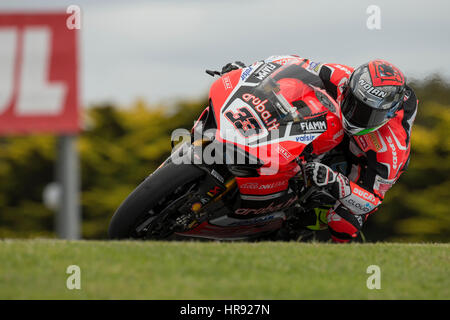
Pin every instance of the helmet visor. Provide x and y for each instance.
(360, 114)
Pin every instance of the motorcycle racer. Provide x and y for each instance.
(378, 111)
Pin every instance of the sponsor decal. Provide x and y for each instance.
(246, 73)
(250, 185)
(314, 66)
(268, 186)
(270, 208)
(362, 143)
(227, 82)
(394, 152)
(369, 89)
(338, 134)
(286, 154)
(241, 123)
(382, 185)
(369, 141)
(244, 121)
(265, 71)
(317, 124)
(313, 126)
(213, 191)
(216, 175)
(305, 138)
(375, 141)
(364, 208)
(260, 106)
(363, 194)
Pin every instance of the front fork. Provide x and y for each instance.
(216, 184)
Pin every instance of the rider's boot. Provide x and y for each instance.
(316, 219)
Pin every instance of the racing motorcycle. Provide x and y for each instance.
(262, 124)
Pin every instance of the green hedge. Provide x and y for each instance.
(121, 146)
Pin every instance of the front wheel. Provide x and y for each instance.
(147, 211)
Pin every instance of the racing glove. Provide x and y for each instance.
(352, 196)
(336, 184)
(232, 66)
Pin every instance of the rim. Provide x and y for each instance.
(162, 220)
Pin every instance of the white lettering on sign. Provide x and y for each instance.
(35, 94)
(8, 39)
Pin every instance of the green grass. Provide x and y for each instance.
(36, 269)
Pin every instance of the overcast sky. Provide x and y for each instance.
(158, 50)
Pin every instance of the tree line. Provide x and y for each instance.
(119, 147)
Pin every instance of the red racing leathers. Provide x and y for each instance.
(377, 158)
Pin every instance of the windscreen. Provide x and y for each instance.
(292, 93)
(270, 98)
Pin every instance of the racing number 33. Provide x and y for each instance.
(244, 121)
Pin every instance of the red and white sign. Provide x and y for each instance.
(38, 74)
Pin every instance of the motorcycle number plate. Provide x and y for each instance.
(240, 123)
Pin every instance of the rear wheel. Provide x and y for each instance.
(152, 209)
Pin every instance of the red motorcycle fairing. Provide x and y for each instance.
(218, 232)
(317, 108)
(268, 184)
(241, 107)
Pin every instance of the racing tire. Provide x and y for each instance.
(163, 182)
